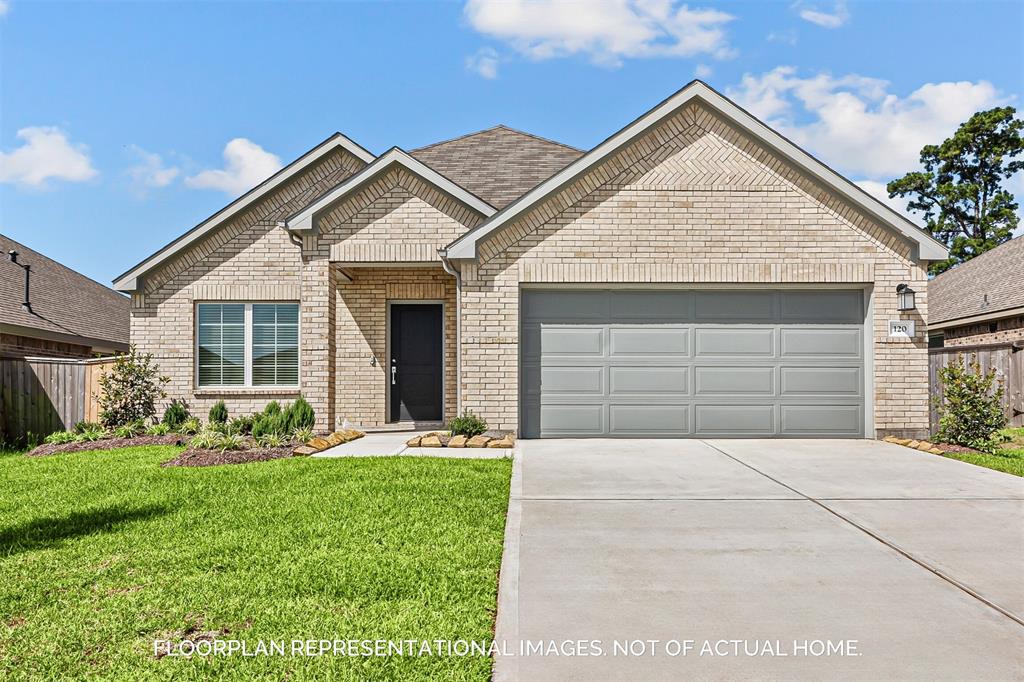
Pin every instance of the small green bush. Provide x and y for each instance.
(276, 424)
(205, 440)
(219, 413)
(92, 433)
(272, 440)
(272, 408)
(190, 426)
(130, 390)
(970, 409)
(300, 415)
(176, 414)
(230, 441)
(83, 426)
(467, 425)
(160, 429)
(130, 430)
(61, 437)
(241, 424)
(302, 435)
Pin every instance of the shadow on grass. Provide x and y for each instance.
(54, 530)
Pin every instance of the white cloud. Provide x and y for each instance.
(785, 37)
(854, 123)
(702, 71)
(46, 154)
(150, 171)
(834, 19)
(246, 164)
(606, 31)
(5, 7)
(484, 62)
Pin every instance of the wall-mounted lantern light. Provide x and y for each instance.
(13, 255)
(905, 298)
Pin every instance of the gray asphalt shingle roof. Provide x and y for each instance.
(986, 284)
(63, 301)
(499, 164)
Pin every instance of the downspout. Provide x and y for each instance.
(450, 269)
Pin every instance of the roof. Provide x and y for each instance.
(64, 302)
(304, 220)
(986, 284)
(128, 280)
(928, 248)
(499, 164)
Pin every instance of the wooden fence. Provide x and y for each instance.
(1007, 359)
(41, 395)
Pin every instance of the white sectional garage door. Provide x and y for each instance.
(701, 364)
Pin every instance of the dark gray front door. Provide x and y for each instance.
(703, 364)
(416, 362)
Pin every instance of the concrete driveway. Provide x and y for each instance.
(739, 559)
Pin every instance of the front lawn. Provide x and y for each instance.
(1008, 457)
(101, 553)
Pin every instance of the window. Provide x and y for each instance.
(247, 344)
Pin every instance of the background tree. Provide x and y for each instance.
(960, 191)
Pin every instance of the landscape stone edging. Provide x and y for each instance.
(441, 439)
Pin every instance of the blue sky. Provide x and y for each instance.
(122, 125)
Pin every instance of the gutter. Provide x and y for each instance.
(450, 269)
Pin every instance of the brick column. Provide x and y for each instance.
(317, 331)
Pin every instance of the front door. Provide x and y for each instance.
(417, 352)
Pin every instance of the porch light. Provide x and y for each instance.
(905, 298)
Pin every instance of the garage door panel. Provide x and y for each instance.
(747, 342)
(650, 305)
(834, 420)
(734, 381)
(649, 341)
(735, 306)
(843, 381)
(572, 420)
(574, 380)
(822, 306)
(743, 419)
(833, 343)
(565, 305)
(555, 341)
(649, 381)
(664, 420)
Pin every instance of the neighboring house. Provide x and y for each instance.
(694, 275)
(71, 316)
(980, 301)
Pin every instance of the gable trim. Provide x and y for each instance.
(129, 281)
(304, 222)
(465, 247)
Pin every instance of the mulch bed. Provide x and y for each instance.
(949, 447)
(209, 458)
(107, 444)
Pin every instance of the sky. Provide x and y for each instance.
(123, 125)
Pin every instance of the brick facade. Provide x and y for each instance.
(691, 201)
(997, 331)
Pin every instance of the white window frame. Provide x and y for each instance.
(246, 384)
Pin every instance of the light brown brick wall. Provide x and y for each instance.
(692, 201)
(1008, 329)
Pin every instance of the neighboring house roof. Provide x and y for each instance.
(928, 248)
(499, 164)
(983, 286)
(305, 220)
(65, 304)
(128, 280)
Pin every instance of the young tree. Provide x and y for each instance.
(131, 389)
(960, 191)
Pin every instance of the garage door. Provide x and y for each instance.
(702, 364)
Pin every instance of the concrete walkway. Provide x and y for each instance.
(393, 443)
(909, 563)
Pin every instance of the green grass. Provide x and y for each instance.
(1008, 458)
(103, 552)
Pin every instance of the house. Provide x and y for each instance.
(981, 301)
(694, 275)
(68, 316)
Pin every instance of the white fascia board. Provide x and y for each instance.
(928, 248)
(128, 281)
(304, 222)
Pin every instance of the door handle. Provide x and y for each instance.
(394, 372)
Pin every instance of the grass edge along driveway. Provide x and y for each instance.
(102, 552)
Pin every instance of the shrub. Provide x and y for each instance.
(302, 435)
(130, 430)
(176, 414)
(230, 441)
(190, 426)
(276, 424)
(300, 415)
(467, 425)
(130, 390)
(969, 409)
(219, 413)
(158, 429)
(241, 424)
(83, 426)
(91, 433)
(272, 408)
(272, 440)
(61, 437)
(205, 440)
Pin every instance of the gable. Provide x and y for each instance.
(669, 137)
